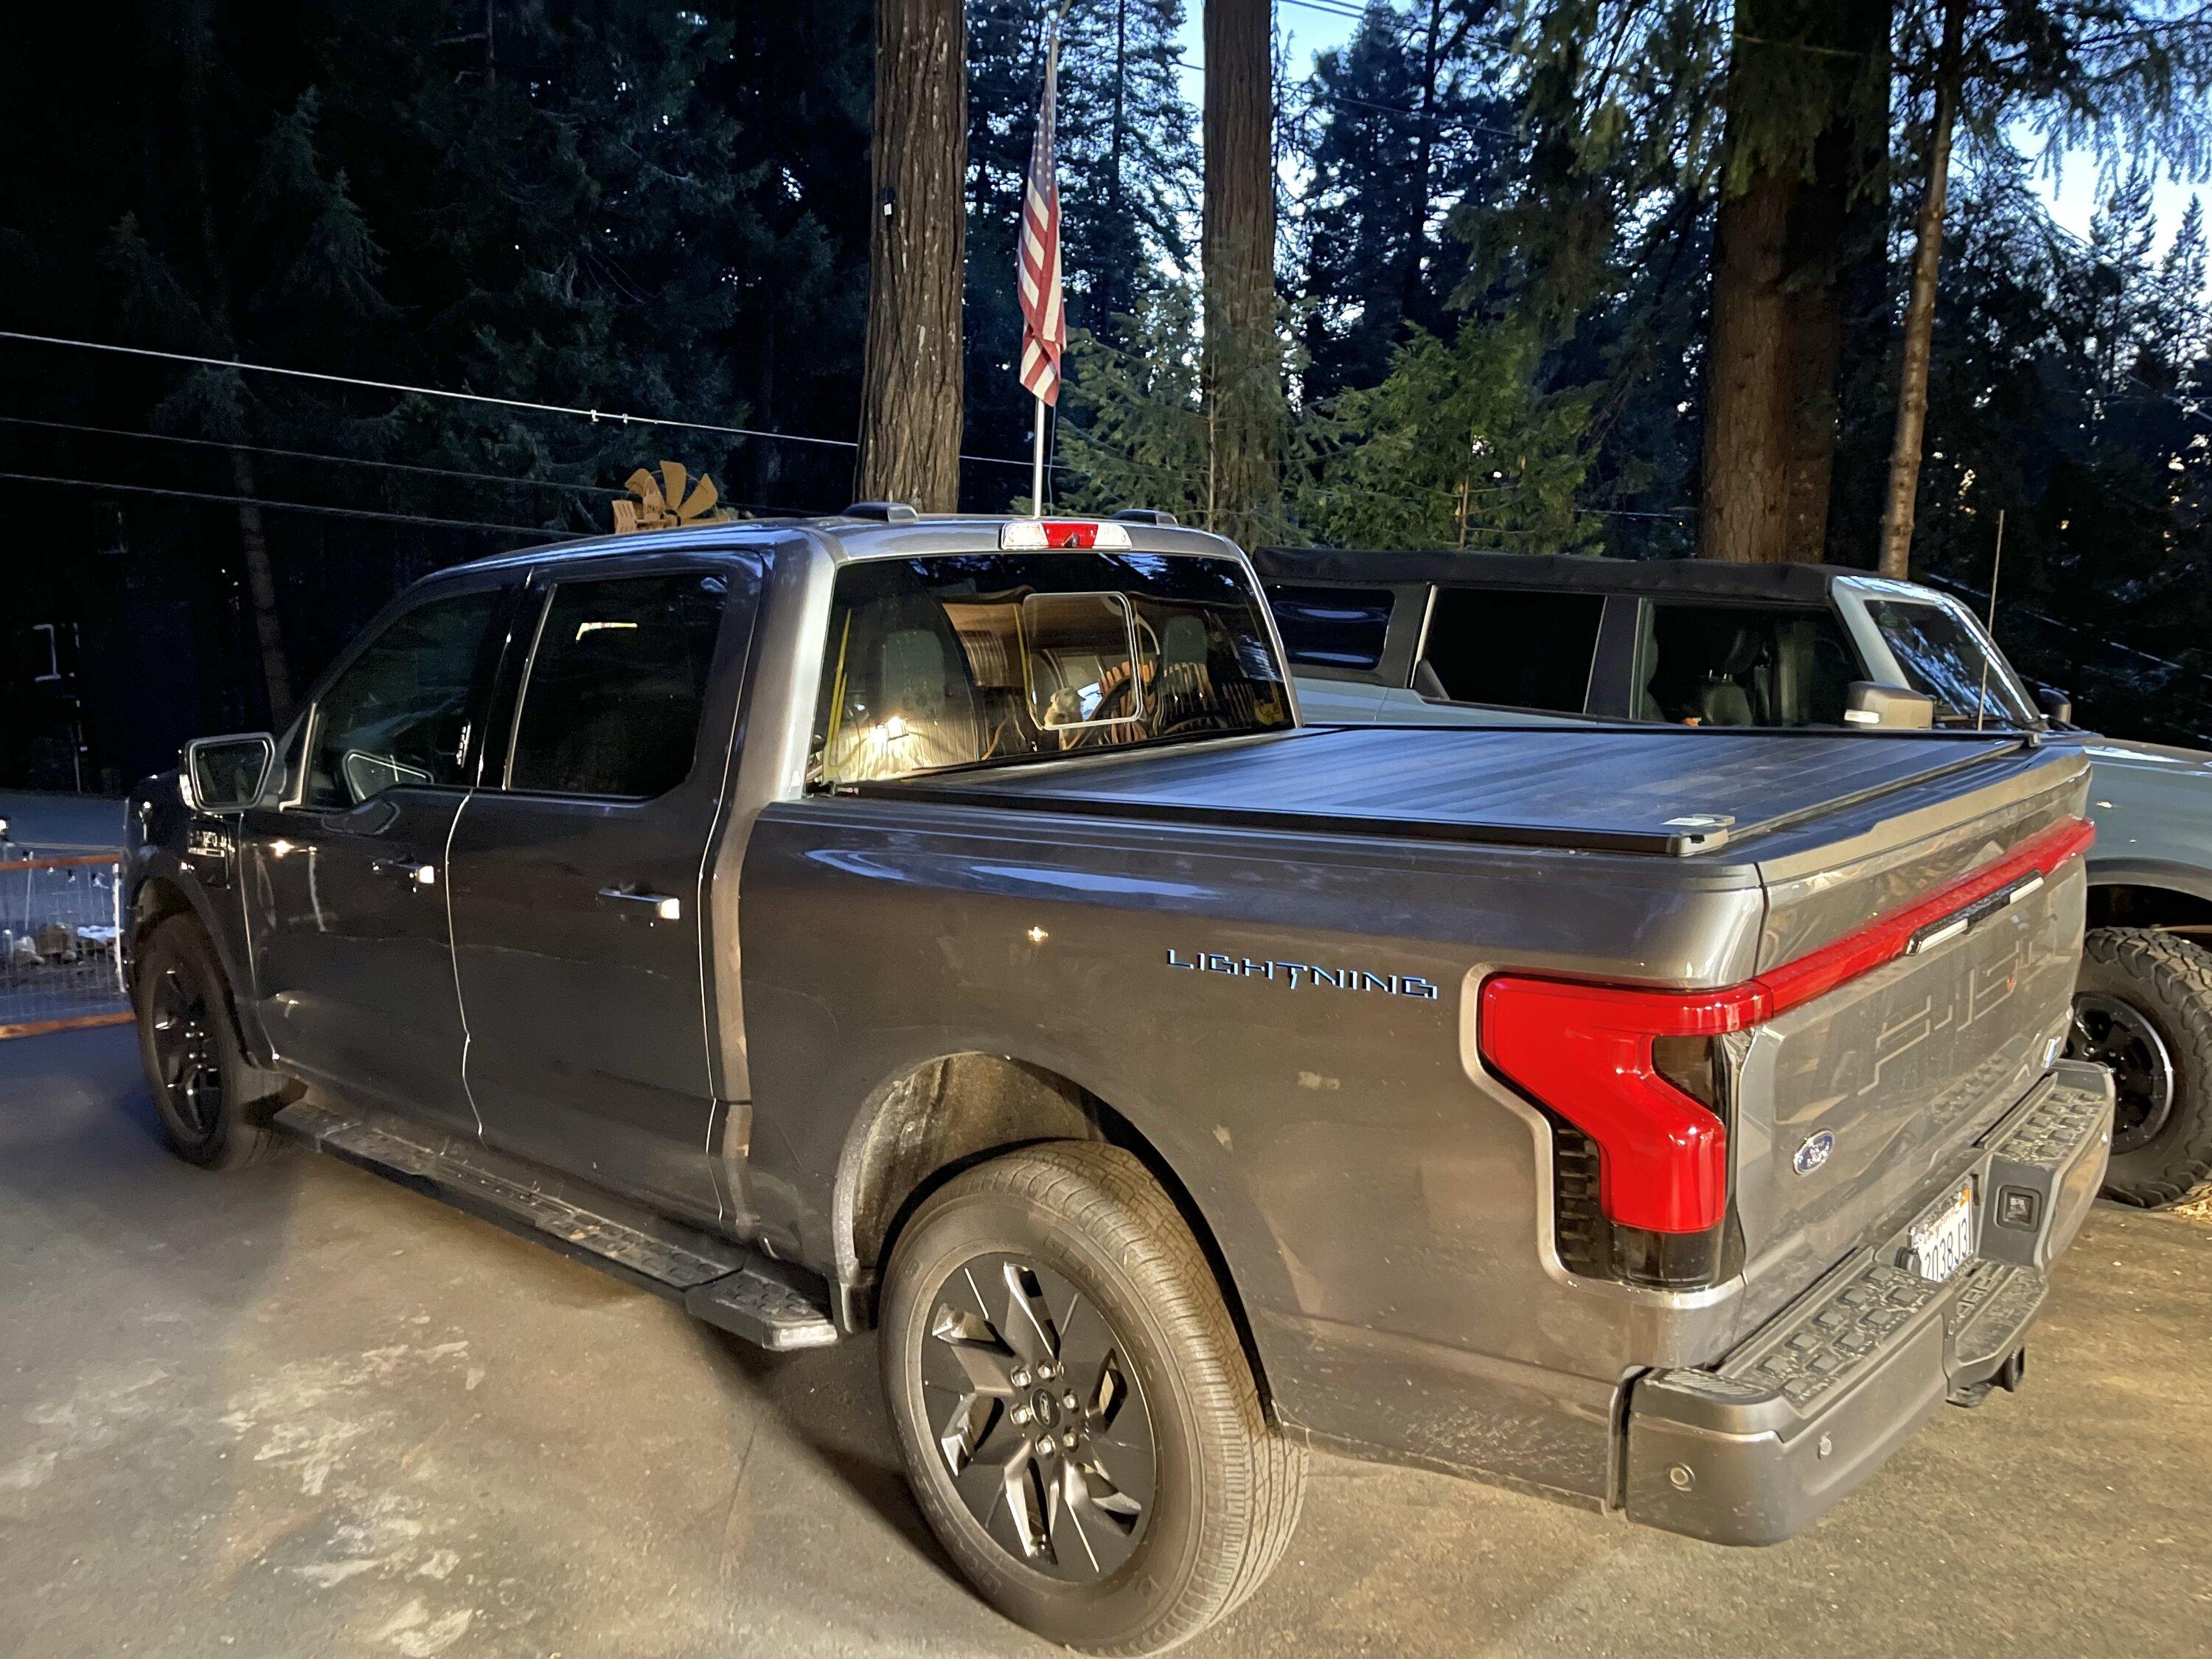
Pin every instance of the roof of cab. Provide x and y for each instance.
(845, 539)
(1799, 584)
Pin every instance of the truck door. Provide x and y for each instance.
(344, 884)
(579, 877)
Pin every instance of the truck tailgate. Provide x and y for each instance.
(1845, 1104)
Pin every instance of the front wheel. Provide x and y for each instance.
(1075, 1410)
(210, 1100)
(2143, 1006)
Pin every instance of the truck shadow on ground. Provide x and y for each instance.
(831, 1401)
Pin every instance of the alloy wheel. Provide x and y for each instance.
(2114, 1033)
(1042, 1427)
(185, 1053)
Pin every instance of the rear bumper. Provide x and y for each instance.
(1760, 1446)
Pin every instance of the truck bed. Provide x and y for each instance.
(1669, 790)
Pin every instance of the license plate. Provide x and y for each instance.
(1940, 1245)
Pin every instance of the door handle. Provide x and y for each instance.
(422, 875)
(657, 907)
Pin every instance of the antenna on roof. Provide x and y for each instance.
(1996, 564)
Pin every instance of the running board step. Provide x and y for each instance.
(724, 1283)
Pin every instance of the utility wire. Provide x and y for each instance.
(612, 417)
(287, 507)
(307, 455)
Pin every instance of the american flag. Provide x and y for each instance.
(1044, 326)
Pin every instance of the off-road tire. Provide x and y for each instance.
(237, 1136)
(1228, 1487)
(2168, 980)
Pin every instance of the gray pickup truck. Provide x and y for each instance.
(1474, 638)
(947, 926)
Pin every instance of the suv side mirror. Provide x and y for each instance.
(1867, 703)
(2058, 706)
(225, 775)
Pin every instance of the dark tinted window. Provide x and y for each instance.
(1732, 665)
(1520, 650)
(1331, 627)
(399, 711)
(1941, 657)
(616, 685)
(967, 659)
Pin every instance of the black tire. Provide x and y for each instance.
(213, 1104)
(1076, 1222)
(2143, 1002)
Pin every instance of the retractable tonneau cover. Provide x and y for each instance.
(1648, 789)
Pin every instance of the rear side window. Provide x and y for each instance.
(616, 683)
(1737, 664)
(1331, 627)
(1516, 649)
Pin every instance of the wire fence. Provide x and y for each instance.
(61, 962)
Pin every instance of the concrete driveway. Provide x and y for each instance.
(300, 1411)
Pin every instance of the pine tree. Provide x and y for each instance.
(1455, 449)
(1406, 124)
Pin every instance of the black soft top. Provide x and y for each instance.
(1801, 584)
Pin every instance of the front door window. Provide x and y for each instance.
(398, 713)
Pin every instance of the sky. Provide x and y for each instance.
(1308, 26)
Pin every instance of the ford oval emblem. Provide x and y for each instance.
(1814, 1153)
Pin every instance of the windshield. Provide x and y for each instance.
(987, 659)
(1942, 657)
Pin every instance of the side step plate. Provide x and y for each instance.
(723, 1283)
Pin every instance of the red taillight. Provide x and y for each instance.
(1585, 1050)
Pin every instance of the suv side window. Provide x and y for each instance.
(1742, 665)
(1332, 627)
(616, 686)
(1941, 657)
(1514, 648)
(399, 711)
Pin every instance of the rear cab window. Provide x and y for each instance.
(1511, 648)
(996, 659)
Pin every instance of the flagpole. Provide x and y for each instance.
(1036, 466)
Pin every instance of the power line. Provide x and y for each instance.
(287, 507)
(597, 416)
(307, 455)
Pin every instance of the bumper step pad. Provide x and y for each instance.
(1758, 1447)
(723, 1283)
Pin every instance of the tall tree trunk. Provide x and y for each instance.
(1773, 363)
(1920, 309)
(1243, 388)
(1819, 221)
(198, 42)
(1748, 379)
(911, 385)
(1855, 512)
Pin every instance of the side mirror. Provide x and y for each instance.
(225, 775)
(1890, 706)
(2058, 706)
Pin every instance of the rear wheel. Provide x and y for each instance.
(1073, 1405)
(210, 1101)
(2143, 1006)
